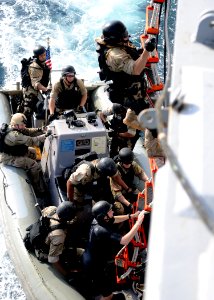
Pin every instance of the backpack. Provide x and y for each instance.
(85, 158)
(3, 132)
(25, 77)
(37, 232)
(104, 70)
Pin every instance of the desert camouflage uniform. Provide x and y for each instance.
(117, 190)
(79, 179)
(55, 238)
(119, 61)
(57, 89)
(31, 94)
(28, 137)
(152, 145)
(83, 176)
(153, 148)
(62, 239)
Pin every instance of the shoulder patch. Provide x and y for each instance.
(15, 133)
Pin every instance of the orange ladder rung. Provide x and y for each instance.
(159, 1)
(155, 88)
(148, 191)
(154, 57)
(153, 167)
(152, 19)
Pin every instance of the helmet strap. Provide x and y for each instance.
(109, 221)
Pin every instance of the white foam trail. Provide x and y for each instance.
(71, 25)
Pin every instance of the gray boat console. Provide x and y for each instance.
(72, 136)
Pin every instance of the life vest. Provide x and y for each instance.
(117, 123)
(103, 243)
(122, 82)
(38, 232)
(46, 73)
(3, 132)
(69, 99)
(25, 76)
(16, 150)
(127, 174)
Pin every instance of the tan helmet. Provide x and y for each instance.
(18, 119)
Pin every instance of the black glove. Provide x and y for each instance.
(107, 125)
(49, 132)
(129, 209)
(52, 117)
(47, 92)
(129, 194)
(150, 45)
(112, 134)
(132, 197)
(80, 109)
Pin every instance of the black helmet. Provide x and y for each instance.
(114, 31)
(66, 211)
(119, 109)
(68, 70)
(39, 50)
(106, 166)
(126, 155)
(100, 210)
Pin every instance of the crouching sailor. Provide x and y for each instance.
(128, 170)
(17, 150)
(86, 179)
(62, 218)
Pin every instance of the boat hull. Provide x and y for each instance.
(18, 211)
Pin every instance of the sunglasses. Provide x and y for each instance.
(70, 75)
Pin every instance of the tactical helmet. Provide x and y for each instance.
(126, 155)
(107, 167)
(18, 119)
(39, 50)
(68, 70)
(114, 31)
(66, 211)
(100, 210)
(119, 109)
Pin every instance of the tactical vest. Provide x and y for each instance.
(46, 73)
(122, 85)
(16, 150)
(128, 176)
(117, 124)
(69, 99)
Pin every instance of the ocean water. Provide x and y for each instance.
(72, 27)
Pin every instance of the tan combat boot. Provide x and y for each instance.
(132, 121)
